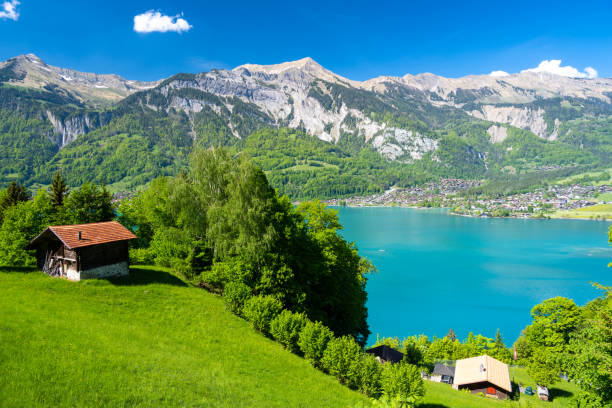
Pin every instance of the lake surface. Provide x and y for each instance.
(437, 271)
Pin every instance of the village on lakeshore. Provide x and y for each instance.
(556, 201)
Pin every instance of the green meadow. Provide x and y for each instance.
(151, 339)
(148, 340)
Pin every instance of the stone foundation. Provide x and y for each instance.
(118, 269)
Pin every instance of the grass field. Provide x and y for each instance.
(597, 211)
(577, 177)
(148, 340)
(152, 340)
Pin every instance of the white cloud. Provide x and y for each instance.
(499, 73)
(154, 21)
(8, 10)
(554, 67)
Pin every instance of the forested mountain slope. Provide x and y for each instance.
(348, 138)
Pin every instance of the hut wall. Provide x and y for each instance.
(484, 388)
(96, 256)
(100, 261)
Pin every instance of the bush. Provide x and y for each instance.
(286, 328)
(260, 311)
(403, 381)
(341, 359)
(142, 256)
(370, 374)
(235, 295)
(313, 341)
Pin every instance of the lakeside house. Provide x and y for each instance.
(442, 373)
(85, 251)
(483, 374)
(385, 354)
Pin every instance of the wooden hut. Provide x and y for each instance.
(485, 375)
(385, 353)
(85, 251)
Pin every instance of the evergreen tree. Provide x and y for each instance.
(58, 190)
(14, 194)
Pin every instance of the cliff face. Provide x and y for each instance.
(396, 116)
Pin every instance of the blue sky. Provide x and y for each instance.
(357, 39)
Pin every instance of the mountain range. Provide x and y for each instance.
(370, 134)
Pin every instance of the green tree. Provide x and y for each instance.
(313, 341)
(341, 359)
(403, 381)
(14, 194)
(542, 367)
(235, 295)
(22, 222)
(89, 203)
(370, 376)
(260, 311)
(286, 328)
(590, 353)
(58, 190)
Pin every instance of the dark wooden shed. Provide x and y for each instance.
(85, 251)
(385, 353)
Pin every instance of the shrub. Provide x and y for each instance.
(286, 328)
(313, 341)
(341, 359)
(235, 295)
(403, 381)
(260, 310)
(142, 256)
(370, 374)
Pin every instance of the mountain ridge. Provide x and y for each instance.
(455, 127)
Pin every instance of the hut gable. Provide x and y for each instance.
(83, 251)
(483, 370)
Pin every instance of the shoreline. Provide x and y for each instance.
(449, 212)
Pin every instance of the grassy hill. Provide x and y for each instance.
(152, 340)
(148, 340)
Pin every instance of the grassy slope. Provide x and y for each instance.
(151, 340)
(148, 340)
(590, 212)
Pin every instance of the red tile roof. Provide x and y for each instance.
(91, 234)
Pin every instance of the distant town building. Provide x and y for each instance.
(85, 251)
(485, 375)
(443, 373)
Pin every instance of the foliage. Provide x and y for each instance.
(235, 295)
(403, 381)
(22, 222)
(286, 327)
(590, 351)
(58, 190)
(89, 203)
(313, 341)
(370, 376)
(543, 368)
(260, 311)
(14, 194)
(341, 359)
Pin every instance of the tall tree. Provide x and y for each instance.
(58, 190)
(14, 194)
(90, 203)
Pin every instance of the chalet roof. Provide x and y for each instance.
(442, 369)
(386, 353)
(481, 369)
(91, 234)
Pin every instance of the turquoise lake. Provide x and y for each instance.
(437, 271)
